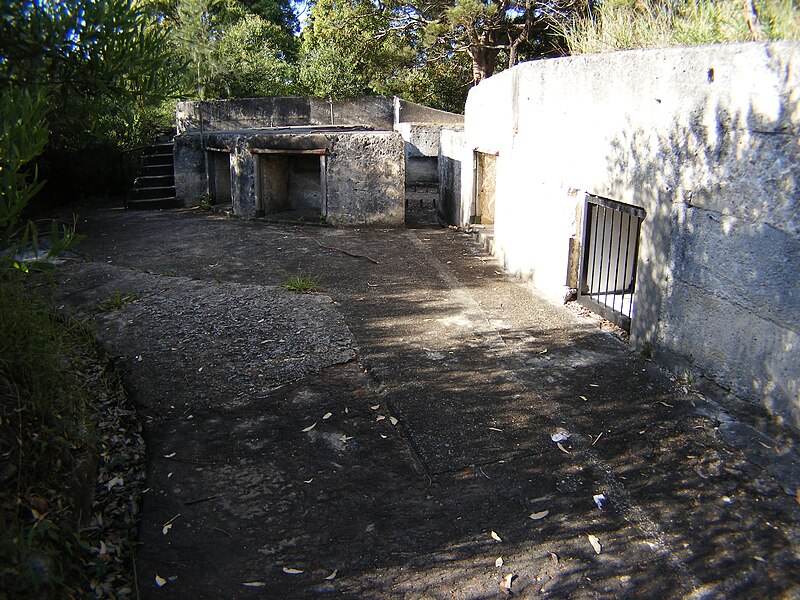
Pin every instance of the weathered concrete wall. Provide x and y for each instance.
(376, 112)
(409, 112)
(364, 173)
(706, 141)
(421, 152)
(366, 177)
(451, 159)
(420, 127)
(190, 170)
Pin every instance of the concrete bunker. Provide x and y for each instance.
(349, 163)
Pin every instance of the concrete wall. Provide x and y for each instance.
(705, 140)
(409, 112)
(421, 152)
(364, 173)
(452, 154)
(376, 112)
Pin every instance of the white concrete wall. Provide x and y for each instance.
(706, 141)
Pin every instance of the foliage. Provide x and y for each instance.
(23, 135)
(88, 58)
(302, 282)
(624, 24)
(348, 49)
(43, 431)
(234, 49)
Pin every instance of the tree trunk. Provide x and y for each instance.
(483, 60)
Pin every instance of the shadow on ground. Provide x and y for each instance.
(368, 441)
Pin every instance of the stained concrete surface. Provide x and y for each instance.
(230, 373)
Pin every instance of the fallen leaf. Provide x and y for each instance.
(254, 584)
(380, 418)
(496, 429)
(384, 436)
(103, 549)
(160, 581)
(327, 415)
(113, 482)
(559, 436)
(497, 537)
(499, 562)
(543, 351)
(759, 559)
(598, 500)
(584, 398)
(308, 480)
(595, 543)
(166, 528)
(393, 421)
(346, 410)
(169, 455)
(344, 438)
(309, 428)
(505, 585)
(593, 385)
(561, 447)
(332, 576)
(291, 571)
(554, 557)
(539, 515)
(376, 407)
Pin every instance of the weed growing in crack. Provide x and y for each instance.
(302, 283)
(117, 300)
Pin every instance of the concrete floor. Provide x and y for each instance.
(393, 436)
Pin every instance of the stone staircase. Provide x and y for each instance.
(154, 186)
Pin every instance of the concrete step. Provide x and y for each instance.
(151, 203)
(157, 159)
(484, 235)
(160, 180)
(160, 148)
(155, 170)
(146, 193)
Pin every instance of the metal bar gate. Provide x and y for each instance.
(609, 257)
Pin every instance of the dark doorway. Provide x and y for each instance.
(291, 183)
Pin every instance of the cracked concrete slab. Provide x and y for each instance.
(478, 373)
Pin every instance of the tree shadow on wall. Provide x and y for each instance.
(717, 290)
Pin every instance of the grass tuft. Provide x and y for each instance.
(626, 24)
(117, 300)
(302, 283)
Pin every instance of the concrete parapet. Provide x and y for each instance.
(705, 141)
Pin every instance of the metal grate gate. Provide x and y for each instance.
(610, 250)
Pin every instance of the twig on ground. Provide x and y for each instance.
(343, 251)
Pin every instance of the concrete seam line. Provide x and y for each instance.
(631, 511)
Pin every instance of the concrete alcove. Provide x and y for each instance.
(290, 181)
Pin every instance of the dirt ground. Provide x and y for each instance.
(396, 434)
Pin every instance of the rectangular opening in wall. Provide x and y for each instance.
(610, 250)
(219, 176)
(291, 183)
(485, 173)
